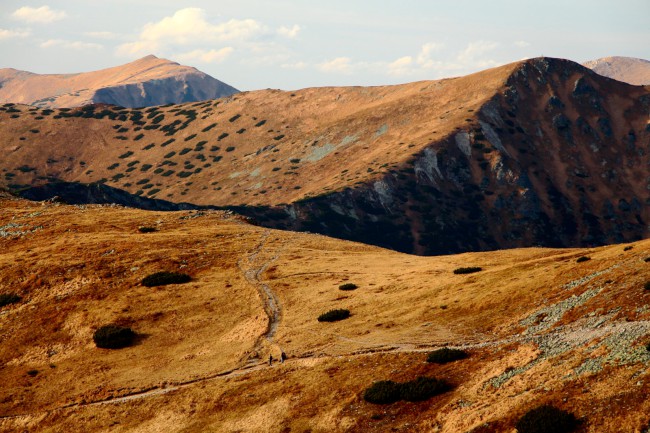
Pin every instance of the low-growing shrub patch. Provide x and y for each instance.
(334, 315)
(546, 419)
(583, 259)
(445, 355)
(646, 286)
(164, 278)
(8, 298)
(113, 337)
(628, 248)
(348, 286)
(420, 389)
(467, 270)
(146, 229)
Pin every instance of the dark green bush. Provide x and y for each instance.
(348, 286)
(423, 388)
(146, 229)
(583, 259)
(8, 298)
(467, 270)
(383, 392)
(628, 248)
(113, 337)
(646, 286)
(546, 419)
(164, 278)
(32, 373)
(334, 315)
(420, 389)
(445, 355)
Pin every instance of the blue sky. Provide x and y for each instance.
(254, 44)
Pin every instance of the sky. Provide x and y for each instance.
(290, 44)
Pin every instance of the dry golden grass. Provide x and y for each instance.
(201, 361)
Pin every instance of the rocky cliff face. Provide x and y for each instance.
(145, 82)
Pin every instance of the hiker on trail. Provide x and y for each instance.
(283, 356)
(270, 359)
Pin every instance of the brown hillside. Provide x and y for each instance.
(539, 328)
(144, 82)
(626, 69)
(539, 152)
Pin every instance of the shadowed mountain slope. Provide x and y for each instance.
(539, 152)
(626, 69)
(145, 82)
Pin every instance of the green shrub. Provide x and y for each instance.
(423, 388)
(348, 286)
(467, 270)
(8, 298)
(32, 373)
(445, 355)
(646, 286)
(628, 248)
(583, 259)
(164, 278)
(648, 347)
(146, 229)
(383, 392)
(546, 419)
(334, 315)
(113, 337)
(420, 389)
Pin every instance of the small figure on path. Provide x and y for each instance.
(283, 356)
(270, 359)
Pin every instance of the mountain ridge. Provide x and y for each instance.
(627, 69)
(508, 157)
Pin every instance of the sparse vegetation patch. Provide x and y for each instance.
(348, 286)
(546, 419)
(420, 389)
(583, 259)
(113, 337)
(8, 298)
(445, 355)
(467, 270)
(334, 315)
(164, 278)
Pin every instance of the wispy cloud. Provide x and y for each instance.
(10, 34)
(522, 44)
(206, 56)
(39, 15)
(339, 65)
(73, 45)
(289, 32)
(102, 35)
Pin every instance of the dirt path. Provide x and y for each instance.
(552, 340)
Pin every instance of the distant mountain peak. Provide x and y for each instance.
(627, 69)
(144, 82)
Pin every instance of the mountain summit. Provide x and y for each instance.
(144, 82)
(627, 69)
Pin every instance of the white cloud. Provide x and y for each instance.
(289, 32)
(522, 44)
(102, 35)
(424, 57)
(295, 65)
(9, 34)
(475, 50)
(72, 45)
(340, 65)
(38, 15)
(189, 26)
(401, 66)
(206, 56)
